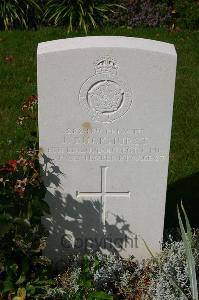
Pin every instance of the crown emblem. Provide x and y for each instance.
(106, 65)
(104, 96)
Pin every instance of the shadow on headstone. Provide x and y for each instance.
(76, 226)
(187, 190)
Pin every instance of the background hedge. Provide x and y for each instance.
(88, 14)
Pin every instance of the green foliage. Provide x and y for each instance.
(188, 244)
(156, 13)
(19, 13)
(78, 282)
(187, 13)
(22, 236)
(28, 118)
(86, 282)
(87, 14)
(176, 270)
(78, 14)
(147, 13)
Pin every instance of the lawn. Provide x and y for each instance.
(18, 81)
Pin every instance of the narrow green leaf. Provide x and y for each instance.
(189, 254)
(188, 226)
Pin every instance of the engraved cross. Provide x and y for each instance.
(103, 195)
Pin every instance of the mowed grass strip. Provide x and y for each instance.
(18, 81)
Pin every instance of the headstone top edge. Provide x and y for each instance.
(105, 42)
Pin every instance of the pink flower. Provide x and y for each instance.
(20, 186)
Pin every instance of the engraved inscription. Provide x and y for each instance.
(106, 144)
(103, 194)
(104, 96)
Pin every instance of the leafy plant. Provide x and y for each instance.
(78, 14)
(148, 13)
(187, 13)
(22, 236)
(98, 276)
(19, 13)
(28, 120)
(188, 244)
(174, 270)
(78, 281)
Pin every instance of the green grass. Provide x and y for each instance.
(18, 81)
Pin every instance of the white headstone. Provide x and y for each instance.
(105, 115)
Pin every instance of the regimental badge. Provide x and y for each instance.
(104, 96)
